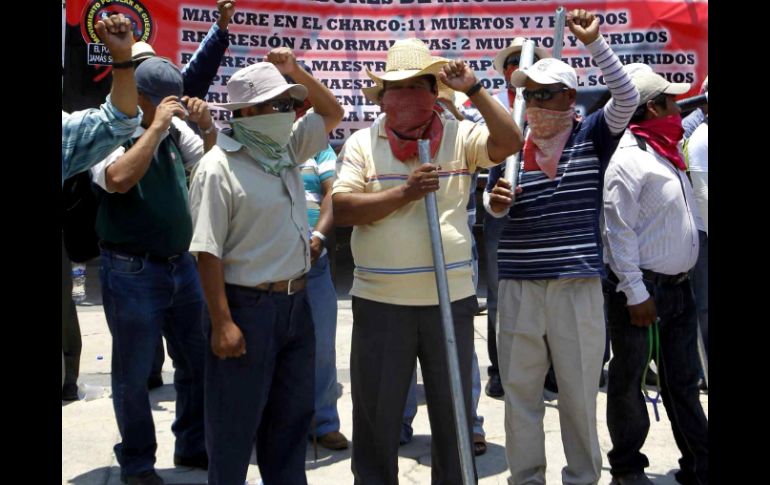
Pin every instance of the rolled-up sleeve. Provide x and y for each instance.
(210, 207)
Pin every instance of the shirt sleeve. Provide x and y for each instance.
(190, 144)
(99, 171)
(625, 97)
(89, 136)
(308, 137)
(199, 73)
(476, 136)
(327, 163)
(622, 187)
(351, 167)
(210, 206)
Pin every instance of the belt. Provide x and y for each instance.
(288, 287)
(150, 257)
(658, 278)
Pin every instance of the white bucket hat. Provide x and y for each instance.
(256, 84)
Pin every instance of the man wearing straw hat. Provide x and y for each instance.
(550, 303)
(253, 244)
(396, 318)
(651, 238)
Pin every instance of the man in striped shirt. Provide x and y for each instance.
(550, 304)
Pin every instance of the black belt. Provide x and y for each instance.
(665, 279)
(132, 252)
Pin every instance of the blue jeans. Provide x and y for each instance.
(322, 298)
(142, 299)
(493, 228)
(627, 414)
(265, 396)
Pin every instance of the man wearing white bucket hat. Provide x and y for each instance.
(252, 240)
(550, 303)
(380, 189)
(651, 239)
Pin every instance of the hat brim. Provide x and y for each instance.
(296, 91)
(519, 78)
(431, 69)
(499, 61)
(372, 93)
(677, 88)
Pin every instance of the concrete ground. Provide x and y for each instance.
(89, 430)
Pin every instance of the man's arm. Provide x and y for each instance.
(622, 186)
(504, 136)
(89, 136)
(199, 114)
(620, 108)
(323, 101)
(199, 73)
(226, 337)
(129, 169)
(115, 32)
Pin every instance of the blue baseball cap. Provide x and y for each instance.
(158, 78)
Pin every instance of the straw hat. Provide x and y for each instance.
(402, 57)
(514, 47)
(406, 59)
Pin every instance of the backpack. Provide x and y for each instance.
(79, 207)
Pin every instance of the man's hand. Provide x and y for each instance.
(421, 182)
(198, 112)
(227, 340)
(316, 248)
(501, 197)
(167, 109)
(583, 25)
(643, 314)
(226, 10)
(284, 60)
(457, 75)
(116, 34)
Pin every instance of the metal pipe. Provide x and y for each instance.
(695, 102)
(455, 384)
(558, 31)
(512, 163)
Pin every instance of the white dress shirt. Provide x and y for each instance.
(649, 220)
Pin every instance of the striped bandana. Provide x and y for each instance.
(266, 137)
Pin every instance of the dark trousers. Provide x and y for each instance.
(265, 397)
(387, 339)
(71, 343)
(627, 413)
(493, 228)
(142, 299)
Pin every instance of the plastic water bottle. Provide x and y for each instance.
(78, 283)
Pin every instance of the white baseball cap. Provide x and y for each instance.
(546, 71)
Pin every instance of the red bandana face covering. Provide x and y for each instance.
(410, 116)
(549, 132)
(663, 134)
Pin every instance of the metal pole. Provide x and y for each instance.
(689, 104)
(558, 32)
(513, 162)
(455, 386)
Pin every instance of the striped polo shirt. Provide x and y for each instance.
(393, 257)
(552, 229)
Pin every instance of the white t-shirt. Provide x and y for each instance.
(698, 149)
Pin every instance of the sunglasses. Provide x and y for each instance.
(280, 105)
(543, 94)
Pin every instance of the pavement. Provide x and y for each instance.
(89, 430)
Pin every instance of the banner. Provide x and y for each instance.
(340, 39)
